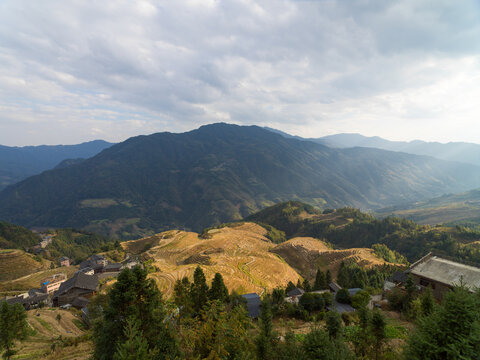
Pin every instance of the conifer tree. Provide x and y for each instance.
(218, 291)
(320, 281)
(334, 324)
(299, 284)
(306, 286)
(135, 346)
(134, 296)
(378, 326)
(328, 277)
(265, 341)
(199, 290)
(451, 331)
(428, 302)
(13, 326)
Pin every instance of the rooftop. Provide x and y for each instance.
(447, 272)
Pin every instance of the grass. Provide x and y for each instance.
(80, 324)
(34, 278)
(46, 325)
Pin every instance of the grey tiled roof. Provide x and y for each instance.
(79, 280)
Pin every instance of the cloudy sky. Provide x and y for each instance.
(72, 71)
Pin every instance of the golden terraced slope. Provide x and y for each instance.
(247, 260)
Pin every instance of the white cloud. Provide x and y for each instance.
(120, 68)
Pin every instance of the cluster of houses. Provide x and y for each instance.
(76, 291)
(438, 273)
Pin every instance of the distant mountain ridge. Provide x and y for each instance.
(219, 173)
(18, 163)
(452, 151)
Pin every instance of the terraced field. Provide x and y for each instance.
(247, 260)
(17, 263)
(54, 338)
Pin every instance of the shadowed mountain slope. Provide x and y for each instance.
(220, 173)
(18, 163)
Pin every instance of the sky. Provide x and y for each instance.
(78, 70)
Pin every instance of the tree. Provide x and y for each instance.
(278, 296)
(306, 286)
(378, 327)
(318, 345)
(218, 291)
(265, 341)
(428, 302)
(199, 290)
(135, 346)
(343, 296)
(334, 324)
(360, 299)
(328, 277)
(13, 326)
(182, 297)
(135, 297)
(451, 331)
(299, 284)
(320, 281)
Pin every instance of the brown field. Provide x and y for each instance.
(47, 330)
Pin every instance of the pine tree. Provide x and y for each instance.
(199, 290)
(299, 284)
(328, 277)
(135, 346)
(320, 281)
(306, 286)
(265, 340)
(13, 326)
(428, 302)
(378, 328)
(451, 331)
(182, 297)
(334, 324)
(218, 291)
(134, 296)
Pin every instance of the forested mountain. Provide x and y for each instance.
(18, 163)
(348, 227)
(220, 173)
(16, 237)
(452, 151)
(450, 209)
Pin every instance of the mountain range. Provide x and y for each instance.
(18, 163)
(219, 173)
(452, 151)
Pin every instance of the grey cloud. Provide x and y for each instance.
(178, 64)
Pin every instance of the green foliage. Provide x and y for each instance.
(427, 302)
(382, 251)
(312, 302)
(334, 324)
(199, 290)
(266, 339)
(218, 291)
(16, 237)
(360, 299)
(78, 244)
(135, 346)
(451, 331)
(320, 281)
(319, 345)
(343, 296)
(290, 287)
(13, 326)
(134, 298)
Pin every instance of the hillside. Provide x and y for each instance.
(306, 255)
(451, 209)
(17, 263)
(16, 237)
(247, 260)
(351, 228)
(216, 174)
(18, 163)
